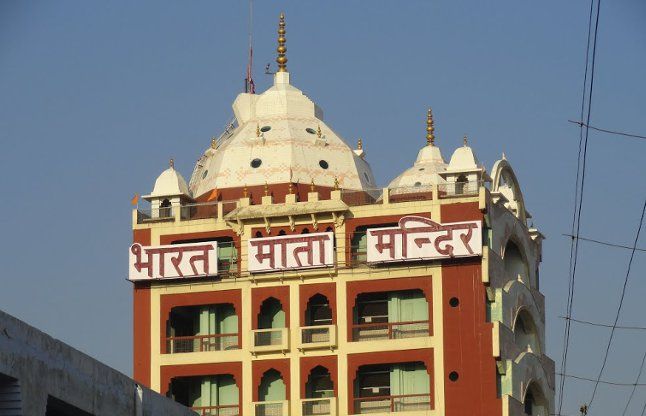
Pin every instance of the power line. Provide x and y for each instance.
(578, 198)
(618, 133)
(629, 328)
(606, 382)
(605, 243)
(632, 393)
(621, 302)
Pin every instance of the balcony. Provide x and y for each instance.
(319, 407)
(390, 404)
(228, 410)
(202, 343)
(320, 336)
(390, 330)
(270, 340)
(273, 408)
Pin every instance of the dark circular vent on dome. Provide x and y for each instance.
(265, 129)
(206, 172)
(310, 130)
(256, 163)
(323, 164)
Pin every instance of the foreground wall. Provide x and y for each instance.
(39, 374)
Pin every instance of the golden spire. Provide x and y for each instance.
(359, 144)
(213, 142)
(336, 183)
(465, 141)
(291, 188)
(312, 187)
(281, 59)
(266, 189)
(430, 128)
(245, 191)
(257, 130)
(172, 163)
(318, 132)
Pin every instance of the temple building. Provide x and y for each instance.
(281, 280)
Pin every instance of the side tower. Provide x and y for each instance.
(283, 281)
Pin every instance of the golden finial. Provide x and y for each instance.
(172, 163)
(465, 141)
(245, 191)
(430, 128)
(266, 189)
(336, 183)
(291, 188)
(257, 130)
(213, 142)
(312, 187)
(359, 144)
(281, 59)
(319, 133)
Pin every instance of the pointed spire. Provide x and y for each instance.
(430, 128)
(266, 189)
(336, 183)
(172, 163)
(214, 142)
(257, 130)
(359, 144)
(245, 191)
(291, 188)
(465, 140)
(318, 132)
(281, 59)
(312, 186)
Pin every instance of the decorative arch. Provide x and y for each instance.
(505, 182)
(535, 402)
(319, 383)
(526, 334)
(515, 261)
(272, 386)
(272, 314)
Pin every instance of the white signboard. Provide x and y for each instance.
(419, 238)
(302, 251)
(173, 261)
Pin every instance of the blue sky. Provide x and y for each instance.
(96, 96)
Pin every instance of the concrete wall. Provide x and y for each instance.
(47, 367)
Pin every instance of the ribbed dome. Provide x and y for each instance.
(280, 138)
(463, 159)
(424, 171)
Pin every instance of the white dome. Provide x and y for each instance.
(169, 183)
(463, 159)
(424, 171)
(288, 148)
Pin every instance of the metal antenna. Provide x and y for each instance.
(249, 85)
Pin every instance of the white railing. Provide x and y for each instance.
(451, 189)
(270, 340)
(390, 404)
(320, 336)
(275, 408)
(319, 407)
(390, 330)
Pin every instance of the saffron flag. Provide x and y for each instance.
(135, 199)
(213, 195)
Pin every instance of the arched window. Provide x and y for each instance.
(165, 209)
(258, 234)
(319, 384)
(272, 387)
(526, 333)
(305, 231)
(515, 263)
(461, 184)
(282, 232)
(271, 314)
(318, 311)
(382, 388)
(535, 403)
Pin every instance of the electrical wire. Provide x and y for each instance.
(621, 302)
(629, 328)
(605, 243)
(609, 383)
(618, 133)
(632, 393)
(576, 215)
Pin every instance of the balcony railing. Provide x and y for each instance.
(201, 343)
(389, 404)
(226, 410)
(319, 407)
(457, 189)
(275, 408)
(270, 340)
(390, 330)
(154, 215)
(320, 336)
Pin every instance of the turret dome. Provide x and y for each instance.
(169, 183)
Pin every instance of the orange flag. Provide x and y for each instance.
(213, 195)
(135, 199)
